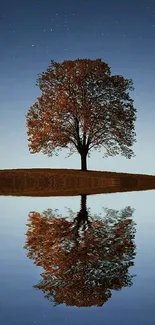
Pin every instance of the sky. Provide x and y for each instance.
(33, 32)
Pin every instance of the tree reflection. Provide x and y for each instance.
(83, 258)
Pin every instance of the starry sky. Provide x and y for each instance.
(33, 32)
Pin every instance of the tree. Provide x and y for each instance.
(82, 107)
(82, 261)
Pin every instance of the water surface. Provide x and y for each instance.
(129, 296)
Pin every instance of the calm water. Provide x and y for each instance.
(105, 274)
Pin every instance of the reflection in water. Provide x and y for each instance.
(83, 258)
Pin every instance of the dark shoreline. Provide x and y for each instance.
(69, 182)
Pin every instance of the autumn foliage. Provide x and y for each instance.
(82, 107)
(82, 264)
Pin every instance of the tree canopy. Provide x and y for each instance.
(82, 262)
(82, 107)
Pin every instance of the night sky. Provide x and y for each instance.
(33, 32)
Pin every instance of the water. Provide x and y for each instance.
(21, 303)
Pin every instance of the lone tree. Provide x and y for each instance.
(82, 107)
(82, 269)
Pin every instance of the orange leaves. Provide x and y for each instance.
(81, 270)
(94, 100)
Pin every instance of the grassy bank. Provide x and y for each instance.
(64, 182)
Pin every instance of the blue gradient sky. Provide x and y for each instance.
(32, 33)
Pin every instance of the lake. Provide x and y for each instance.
(58, 269)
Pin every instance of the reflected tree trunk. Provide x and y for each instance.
(82, 218)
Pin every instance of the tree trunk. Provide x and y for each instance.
(83, 202)
(84, 161)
